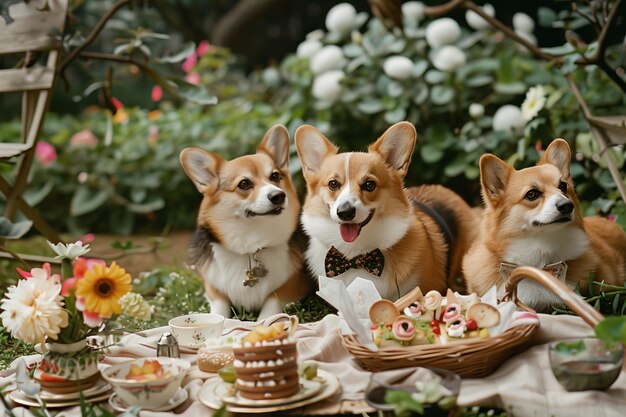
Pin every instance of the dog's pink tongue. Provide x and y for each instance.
(349, 231)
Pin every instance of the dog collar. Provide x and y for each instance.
(558, 270)
(253, 273)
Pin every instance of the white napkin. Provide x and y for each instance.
(353, 303)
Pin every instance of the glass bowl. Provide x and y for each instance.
(381, 382)
(586, 363)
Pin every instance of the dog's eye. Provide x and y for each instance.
(368, 186)
(333, 185)
(532, 194)
(244, 184)
(563, 187)
(275, 177)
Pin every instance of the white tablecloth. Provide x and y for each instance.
(524, 385)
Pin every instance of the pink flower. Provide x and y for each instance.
(203, 48)
(45, 153)
(538, 146)
(190, 62)
(611, 217)
(90, 319)
(69, 285)
(84, 137)
(116, 103)
(81, 265)
(88, 238)
(25, 274)
(193, 78)
(157, 93)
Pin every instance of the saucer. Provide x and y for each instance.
(307, 389)
(180, 397)
(215, 390)
(100, 387)
(19, 397)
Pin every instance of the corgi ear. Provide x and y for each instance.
(494, 175)
(202, 167)
(313, 148)
(558, 154)
(396, 146)
(275, 144)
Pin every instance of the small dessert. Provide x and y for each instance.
(432, 319)
(266, 363)
(151, 370)
(414, 310)
(484, 315)
(213, 357)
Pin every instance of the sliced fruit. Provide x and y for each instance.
(227, 373)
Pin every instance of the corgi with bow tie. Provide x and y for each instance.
(361, 221)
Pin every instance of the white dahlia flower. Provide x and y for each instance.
(340, 19)
(475, 21)
(33, 309)
(509, 118)
(327, 86)
(328, 58)
(442, 32)
(449, 58)
(398, 67)
(533, 103)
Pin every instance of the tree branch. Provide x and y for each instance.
(93, 34)
(598, 59)
(446, 8)
(129, 61)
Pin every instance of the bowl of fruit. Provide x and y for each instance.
(147, 383)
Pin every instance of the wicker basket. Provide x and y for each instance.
(476, 358)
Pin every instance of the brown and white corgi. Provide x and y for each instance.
(362, 222)
(533, 218)
(245, 246)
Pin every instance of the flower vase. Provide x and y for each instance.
(67, 368)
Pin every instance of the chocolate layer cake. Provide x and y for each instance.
(267, 369)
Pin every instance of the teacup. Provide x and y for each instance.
(193, 330)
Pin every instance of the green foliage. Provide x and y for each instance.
(173, 292)
(132, 177)
(570, 348)
(310, 309)
(11, 348)
(612, 329)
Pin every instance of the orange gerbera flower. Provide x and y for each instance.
(102, 287)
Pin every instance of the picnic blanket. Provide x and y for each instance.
(524, 385)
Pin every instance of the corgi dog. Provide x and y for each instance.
(361, 221)
(246, 247)
(533, 218)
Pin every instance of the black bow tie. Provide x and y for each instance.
(336, 264)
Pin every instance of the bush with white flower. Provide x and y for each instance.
(467, 89)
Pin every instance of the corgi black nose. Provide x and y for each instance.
(565, 207)
(346, 211)
(277, 197)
